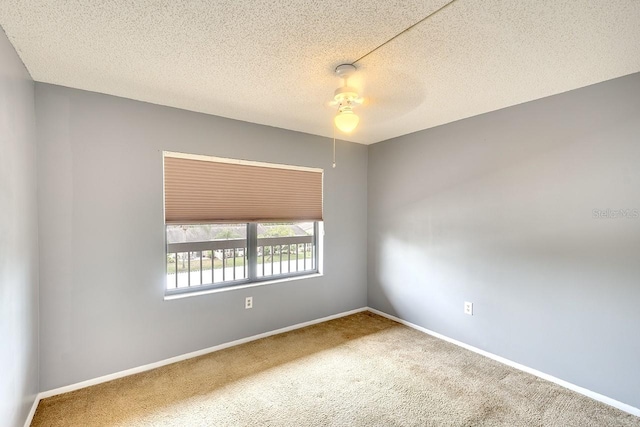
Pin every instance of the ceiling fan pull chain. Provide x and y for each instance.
(334, 146)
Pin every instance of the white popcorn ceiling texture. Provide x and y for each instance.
(271, 61)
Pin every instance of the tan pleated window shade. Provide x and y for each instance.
(201, 189)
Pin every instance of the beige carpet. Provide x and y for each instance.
(361, 370)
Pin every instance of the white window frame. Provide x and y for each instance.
(251, 257)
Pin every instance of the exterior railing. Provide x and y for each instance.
(220, 261)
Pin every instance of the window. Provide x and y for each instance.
(214, 255)
(231, 222)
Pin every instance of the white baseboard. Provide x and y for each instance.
(32, 412)
(581, 390)
(143, 368)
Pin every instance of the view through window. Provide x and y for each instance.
(214, 255)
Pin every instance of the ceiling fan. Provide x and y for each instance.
(346, 98)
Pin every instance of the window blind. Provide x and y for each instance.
(202, 189)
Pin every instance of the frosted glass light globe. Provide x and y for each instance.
(346, 121)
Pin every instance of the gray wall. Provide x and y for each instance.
(102, 234)
(18, 240)
(497, 210)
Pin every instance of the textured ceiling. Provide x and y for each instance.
(271, 62)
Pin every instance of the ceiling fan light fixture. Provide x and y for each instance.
(345, 98)
(346, 120)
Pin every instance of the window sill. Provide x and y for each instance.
(169, 297)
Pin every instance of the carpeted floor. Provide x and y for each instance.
(361, 370)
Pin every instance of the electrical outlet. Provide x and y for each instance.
(468, 308)
(248, 303)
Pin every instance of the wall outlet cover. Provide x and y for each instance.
(468, 308)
